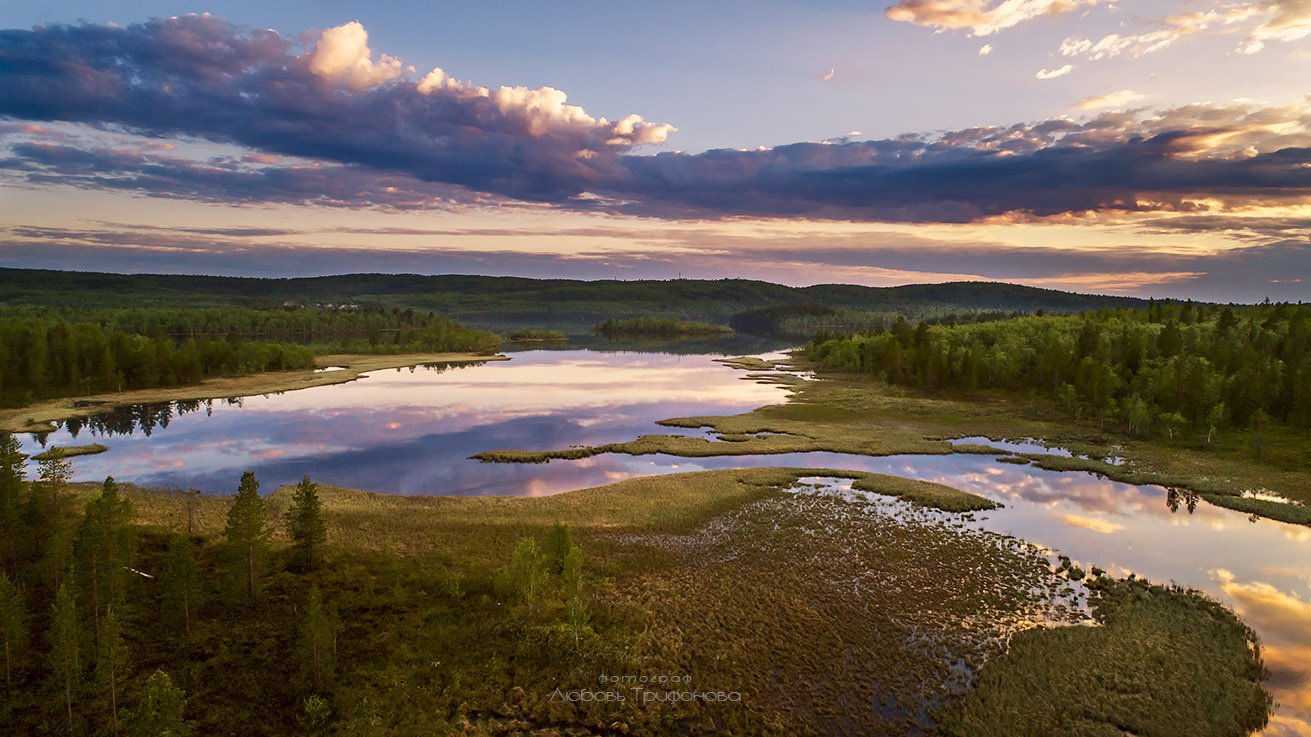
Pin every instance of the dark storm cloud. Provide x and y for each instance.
(365, 133)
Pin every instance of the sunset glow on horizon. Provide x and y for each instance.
(1162, 151)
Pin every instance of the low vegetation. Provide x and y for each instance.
(843, 414)
(70, 451)
(1072, 680)
(317, 610)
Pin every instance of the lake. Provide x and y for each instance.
(412, 430)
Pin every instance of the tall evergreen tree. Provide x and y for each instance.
(12, 462)
(160, 712)
(102, 550)
(305, 526)
(13, 627)
(246, 532)
(43, 523)
(65, 653)
(182, 589)
(111, 664)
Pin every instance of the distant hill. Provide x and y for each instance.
(494, 300)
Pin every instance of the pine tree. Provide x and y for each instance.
(41, 515)
(111, 664)
(318, 641)
(13, 626)
(11, 498)
(65, 652)
(102, 550)
(55, 471)
(246, 532)
(160, 712)
(182, 590)
(306, 527)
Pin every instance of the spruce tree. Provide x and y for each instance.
(102, 550)
(111, 664)
(160, 712)
(246, 532)
(306, 527)
(65, 653)
(13, 627)
(11, 499)
(181, 585)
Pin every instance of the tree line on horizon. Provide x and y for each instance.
(46, 354)
(1156, 370)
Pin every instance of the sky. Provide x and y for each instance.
(1159, 147)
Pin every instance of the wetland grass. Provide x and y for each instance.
(824, 615)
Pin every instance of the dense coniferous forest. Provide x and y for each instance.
(1152, 371)
(110, 625)
(62, 352)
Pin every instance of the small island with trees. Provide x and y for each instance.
(536, 335)
(658, 327)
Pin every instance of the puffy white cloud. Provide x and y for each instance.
(1054, 73)
(979, 17)
(985, 50)
(343, 53)
(435, 80)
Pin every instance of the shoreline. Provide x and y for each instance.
(42, 416)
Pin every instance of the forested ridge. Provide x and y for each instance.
(515, 302)
(60, 352)
(1153, 371)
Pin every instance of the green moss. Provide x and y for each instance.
(1164, 662)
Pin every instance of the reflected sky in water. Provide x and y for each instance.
(412, 430)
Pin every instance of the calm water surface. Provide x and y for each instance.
(412, 431)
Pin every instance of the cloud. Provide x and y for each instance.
(1263, 21)
(1288, 20)
(979, 17)
(343, 53)
(201, 76)
(98, 107)
(1116, 99)
(1054, 73)
(827, 76)
(985, 49)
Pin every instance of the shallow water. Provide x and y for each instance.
(411, 431)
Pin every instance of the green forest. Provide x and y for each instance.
(63, 352)
(1160, 371)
